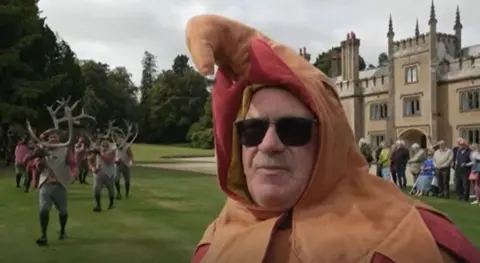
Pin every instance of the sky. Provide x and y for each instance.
(117, 32)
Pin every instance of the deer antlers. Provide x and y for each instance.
(67, 117)
(117, 132)
(61, 104)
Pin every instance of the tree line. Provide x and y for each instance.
(37, 67)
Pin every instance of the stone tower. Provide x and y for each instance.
(458, 32)
(350, 50)
(350, 59)
(391, 134)
(304, 54)
(432, 22)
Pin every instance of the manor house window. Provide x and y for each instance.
(470, 100)
(411, 74)
(378, 111)
(471, 134)
(411, 106)
(376, 139)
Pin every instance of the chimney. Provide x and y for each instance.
(350, 57)
(336, 62)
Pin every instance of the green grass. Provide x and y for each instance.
(149, 153)
(162, 221)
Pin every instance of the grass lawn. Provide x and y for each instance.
(162, 222)
(146, 153)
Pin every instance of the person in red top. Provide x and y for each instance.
(81, 156)
(21, 150)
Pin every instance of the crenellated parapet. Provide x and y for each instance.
(462, 67)
(374, 85)
(366, 86)
(420, 43)
(412, 43)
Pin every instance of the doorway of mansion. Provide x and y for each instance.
(414, 136)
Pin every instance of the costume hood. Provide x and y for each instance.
(345, 214)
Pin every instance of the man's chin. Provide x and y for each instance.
(271, 198)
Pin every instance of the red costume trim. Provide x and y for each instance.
(200, 253)
(381, 258)
(449, 237)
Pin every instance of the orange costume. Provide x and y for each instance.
(345, 215)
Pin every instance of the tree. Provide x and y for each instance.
(200, 133)
(362, 65)
(324, 62)
(149, 74)
(109, 94)
(26, 49)
(180, 65)
(176, 101)
(382, 59)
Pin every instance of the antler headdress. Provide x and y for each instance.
(67, 117)
(117, 133)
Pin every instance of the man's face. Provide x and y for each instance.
(53, 138)
(278, 167)
(441, 145)
(105, 145)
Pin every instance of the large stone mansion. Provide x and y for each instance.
(429, 90)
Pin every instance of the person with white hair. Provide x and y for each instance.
(416, 160)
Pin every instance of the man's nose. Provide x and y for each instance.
(271, 142)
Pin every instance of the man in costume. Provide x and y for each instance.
(81, 157)
(21, 150)
(298, 188)
(57, 167)
(101, 163)
(123, 156)
(28, 166)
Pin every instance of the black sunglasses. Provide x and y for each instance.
(292, 131)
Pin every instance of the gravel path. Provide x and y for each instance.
(207, 165)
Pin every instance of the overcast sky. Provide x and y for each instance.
(117, 32)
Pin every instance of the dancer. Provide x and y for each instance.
(101, 163)
(21, 150)
(29, 169)
(57, 169)
(82, 162)
(124, 157)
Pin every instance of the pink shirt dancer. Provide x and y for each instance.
(21, 150)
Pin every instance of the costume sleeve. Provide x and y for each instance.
(130, 154)
(72, 162)
(91, 162)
